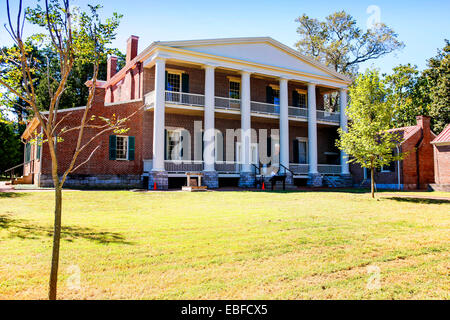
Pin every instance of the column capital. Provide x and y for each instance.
(283, 79)
(209, 66)
(344, 89)
(245, 72)
(160, 59)
(312, 84)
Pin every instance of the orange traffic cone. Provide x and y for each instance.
(263, 186)
(154, 186)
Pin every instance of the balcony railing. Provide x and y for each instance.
(190, 99)
(227, 103)
(182, 166)
(227, 167)
(298, 112)
(299, 168)
(328, 116)
(264, 108)
(329, 168)
(224, 103)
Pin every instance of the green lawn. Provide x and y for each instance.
(230, 245)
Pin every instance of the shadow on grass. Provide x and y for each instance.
(419, 200)
(12, 194)
(22, 229)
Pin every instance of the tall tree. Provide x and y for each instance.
(89, 43)
(408, 100)
(370, 114)
(340, 44)
(10, 145)
(437, 83)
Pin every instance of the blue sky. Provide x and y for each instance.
(422, 25)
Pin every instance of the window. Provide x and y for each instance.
(27, 152)
(302, 100)
(174, 82)
(235, 90)
(121, 148)
(300, 150)
(174, 149)
(276, 96)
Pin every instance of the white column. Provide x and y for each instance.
(343, 121)
(284, 123)
(312, 129)
(158, 115)
(245, 121)
(208, 137)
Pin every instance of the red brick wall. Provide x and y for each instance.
(442, 164)
(99, 162)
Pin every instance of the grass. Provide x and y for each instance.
(225, 245)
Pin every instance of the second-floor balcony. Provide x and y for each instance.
(230, 104)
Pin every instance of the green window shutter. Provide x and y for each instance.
(185, 83)
(131, 143)
(295, 151)
(112, 147)
(38, 156)
(167, 83)
(295, 98)
(269, 94)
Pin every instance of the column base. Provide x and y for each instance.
(161, 179)
(315, 180)
(247, 180)
(289, 178)
(211, 179)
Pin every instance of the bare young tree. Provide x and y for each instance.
(88, 41)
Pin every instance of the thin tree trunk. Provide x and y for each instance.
(372, 183)
(56, 242)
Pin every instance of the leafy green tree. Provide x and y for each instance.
(340, 44)
(436, 80)
(408, 100)
(88, 42)
(10, 145)
(370, 114)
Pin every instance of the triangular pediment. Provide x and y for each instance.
(264, 51)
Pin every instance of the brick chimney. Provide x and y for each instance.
(111, 67)
(132, 48)
(424, 123)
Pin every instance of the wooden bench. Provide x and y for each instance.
(194, 182)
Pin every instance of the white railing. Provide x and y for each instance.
(329, 168)
(298, 112)
(149, 99)
(190, 99)
(183, 165)
(266, 108)
(299, 168)
(227, 167)
(328, 116)
(227, 103)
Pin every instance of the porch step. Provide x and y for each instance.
(337, 181)
(23, 180)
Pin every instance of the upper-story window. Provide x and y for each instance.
(235, 90)
(273, 94)
(299, 98)
(173, 82)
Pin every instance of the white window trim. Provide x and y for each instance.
(304, 139)
(234, 79)
(173, 129)
(229, 88)
(127, 139)
(178, 73)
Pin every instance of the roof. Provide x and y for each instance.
(405, 132)
(182, 44)
(219, 41)
(444, 137)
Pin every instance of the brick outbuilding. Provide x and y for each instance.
(442, 160)
(415, 171)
